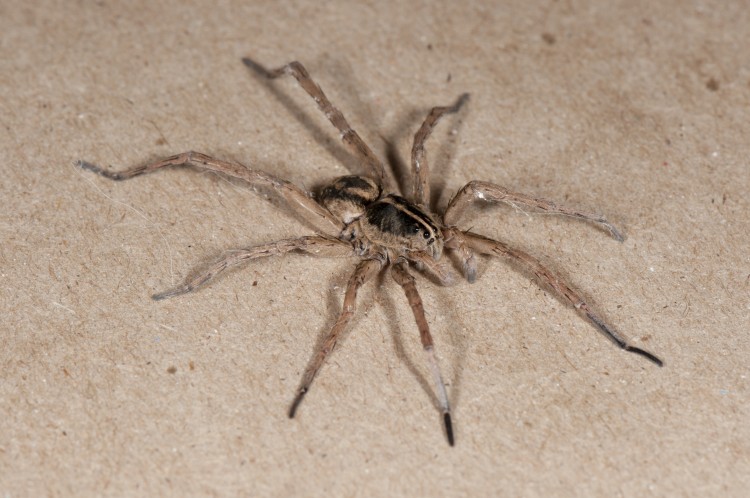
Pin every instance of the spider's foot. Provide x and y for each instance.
(247, 61)
(645, 354)
(617, 339)
(171, 293)
(613, 231)
(470, 270)
(297, 401)
(448, 428)
(98, 170)
(462, 99)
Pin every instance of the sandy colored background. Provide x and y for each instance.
(639, 110)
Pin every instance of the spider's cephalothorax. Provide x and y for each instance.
(401, 227)
(353, 220)
(391, 225)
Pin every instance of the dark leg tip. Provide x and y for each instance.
(616, 234)
(167, 294)
(448, 428)
(256, 67)
(620, 342)
(645, 354)
(98, 170)
(461, 101)
(88, 166)
(296, 402)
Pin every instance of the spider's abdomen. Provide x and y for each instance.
(348, 196)
(396, 223)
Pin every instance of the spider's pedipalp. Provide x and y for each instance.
(402, 276)
(465, 255)
(348, 135)
(438, 268)
(365, 270)
(484, 245)
(489, 192)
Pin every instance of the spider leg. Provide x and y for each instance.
(402, 276)
(365, 270)
(314, 244)
(478, 190)
(484, 245)
(298, 199)
(350, 137)
(418, 156)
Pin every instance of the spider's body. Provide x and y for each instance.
(399, 227)
(347, 197)
(356, 220)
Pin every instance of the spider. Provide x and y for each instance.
(354, 218)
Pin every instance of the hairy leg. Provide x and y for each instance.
(406, 281)
(418, 155)
(365, 271)
(489, 192)
(350, 137)
(313, 244)
(298, 199)
(484, 245)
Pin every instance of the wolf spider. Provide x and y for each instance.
(355, 219)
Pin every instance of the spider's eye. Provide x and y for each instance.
(426, 235)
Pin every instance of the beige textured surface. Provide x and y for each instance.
(638, 109)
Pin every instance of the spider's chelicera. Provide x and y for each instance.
(354, 219)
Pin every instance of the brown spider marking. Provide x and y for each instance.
(355, 219)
